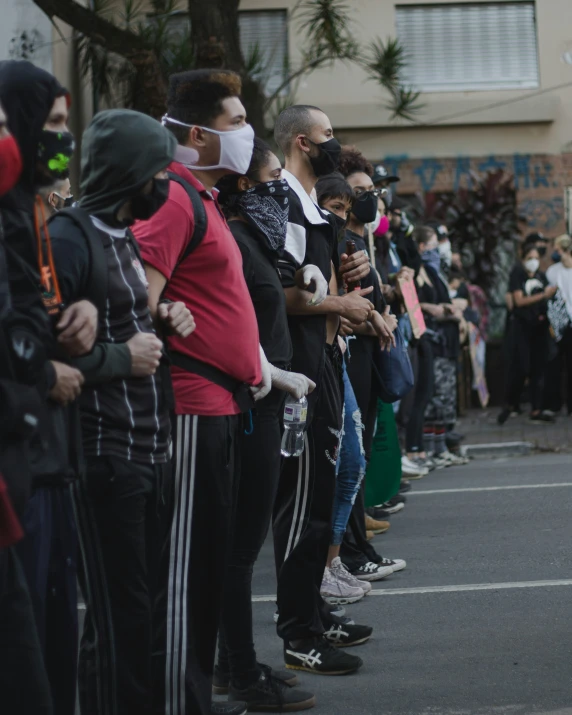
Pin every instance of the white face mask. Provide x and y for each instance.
(235, 148)
(446, 252)
(376, 221)
(532, 265)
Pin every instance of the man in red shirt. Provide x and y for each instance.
(209, 121)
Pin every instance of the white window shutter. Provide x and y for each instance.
(473, 46)
(266, 30)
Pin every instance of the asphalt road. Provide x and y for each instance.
(480, 623)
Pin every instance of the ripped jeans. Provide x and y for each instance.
(350, 468)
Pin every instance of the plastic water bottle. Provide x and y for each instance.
(295, 415)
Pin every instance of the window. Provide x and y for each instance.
(473, 46)
(264, 36)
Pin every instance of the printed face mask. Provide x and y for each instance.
(532, 265)
(10, 164)
(265, 207)
(55, 149)
(328, 158)
(235, 148)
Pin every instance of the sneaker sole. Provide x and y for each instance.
(399, 568)
(396, 508)
(374, 577)
(340, 600)
(359, 641)
(414, 476)
(313, 671)
(285, 708)
(381, 531)
(223, 689)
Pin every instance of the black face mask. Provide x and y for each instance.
(328, 159)
(340, 224)
(365, 207)
(143, 206)
(541, 250)
(55, 149)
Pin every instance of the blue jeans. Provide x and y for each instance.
(350, 467)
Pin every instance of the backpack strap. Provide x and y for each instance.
(199, 213)
(96, 286)
(239, 390)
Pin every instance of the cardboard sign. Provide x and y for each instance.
(478, 353)
(409, 293)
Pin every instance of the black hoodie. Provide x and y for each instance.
(27, 94)
(122, 416)
(26, 337)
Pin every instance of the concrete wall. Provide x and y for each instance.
(25, 33)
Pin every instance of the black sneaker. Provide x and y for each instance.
(269, 694)
(379, 513)
(541, 419)
(221, 680)
(228, 709)
(405, 486)
(318, 655)
(341, 636)
(503, 416)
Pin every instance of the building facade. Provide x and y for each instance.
(496, 88)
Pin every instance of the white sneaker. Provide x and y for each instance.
(396, 564)
(334, 590)
(340, 571)
(453, 459)
(372, 572)
(411, 469)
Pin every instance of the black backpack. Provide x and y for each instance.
(96, 287)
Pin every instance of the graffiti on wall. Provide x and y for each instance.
(539, 180)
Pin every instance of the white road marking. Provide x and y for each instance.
(450, 589)
(489, 489)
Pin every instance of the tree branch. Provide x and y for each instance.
(105, 33)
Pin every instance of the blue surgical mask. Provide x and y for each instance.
(556, 257)
(432, 258)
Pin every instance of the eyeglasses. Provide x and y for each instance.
(375, 192)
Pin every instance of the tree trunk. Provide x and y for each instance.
(216, 37)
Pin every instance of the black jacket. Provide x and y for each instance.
(27, 339)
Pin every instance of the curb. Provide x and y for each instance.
(497, 449)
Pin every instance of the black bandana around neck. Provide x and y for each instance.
(265, 207)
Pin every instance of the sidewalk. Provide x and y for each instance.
(480, 427)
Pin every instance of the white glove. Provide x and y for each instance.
(312, 274)
(265, 385)
(294, 383)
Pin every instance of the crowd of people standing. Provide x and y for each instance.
(151, 335)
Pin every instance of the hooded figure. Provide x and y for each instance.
(124, 410)
(122, 150)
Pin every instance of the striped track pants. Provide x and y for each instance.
(205, 484)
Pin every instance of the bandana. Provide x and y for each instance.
(265, 207)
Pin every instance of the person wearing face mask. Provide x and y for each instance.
(527, 343)
(357, 554)
(191, 256)
(440, 397)
(559, 274)
(256, 207)
(302, 525)
(23, 679)
(56, 196)
(37, 107)
(122, 494)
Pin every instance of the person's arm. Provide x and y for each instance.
(106, 362)
(523, 301)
